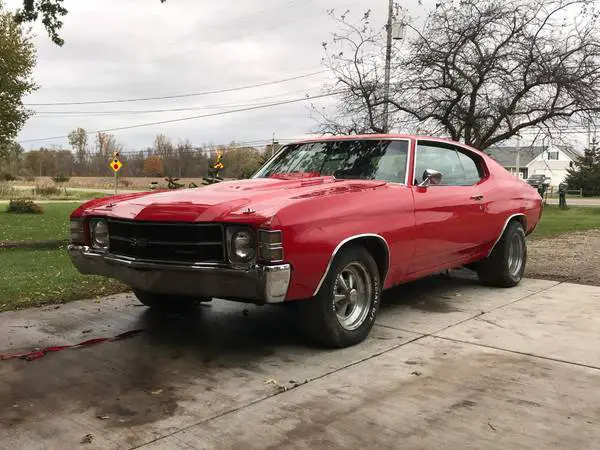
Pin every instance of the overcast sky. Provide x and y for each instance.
(122, 49)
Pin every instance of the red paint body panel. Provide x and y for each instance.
(426, 229)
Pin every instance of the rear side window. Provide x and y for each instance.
(457, 168)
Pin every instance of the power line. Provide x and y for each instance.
(183, 119)
(254, 102)
(193, 94)
(258, 144)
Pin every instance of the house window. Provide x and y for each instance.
(553, 156)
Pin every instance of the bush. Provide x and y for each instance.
(23, 207)
(125, 183)
(61, 178)
(46, 191)
(6, 176)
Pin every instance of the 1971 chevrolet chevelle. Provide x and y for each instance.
(326, 223)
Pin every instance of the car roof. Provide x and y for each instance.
(388, 137)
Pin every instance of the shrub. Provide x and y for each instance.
(24, 207)
(46, 191)
(7, 176)
(61, 178)
(125, 183)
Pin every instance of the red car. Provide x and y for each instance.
(326, 223)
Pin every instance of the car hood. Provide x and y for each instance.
(249, 201)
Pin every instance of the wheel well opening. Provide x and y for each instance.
(522, 220)
(378, 250)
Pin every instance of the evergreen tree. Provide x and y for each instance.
(585, 173)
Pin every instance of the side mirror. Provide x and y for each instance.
(431, 177)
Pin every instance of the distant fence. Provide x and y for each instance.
(552, 190)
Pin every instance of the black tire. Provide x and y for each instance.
(319, 317)
(497, 269)
(167, 303)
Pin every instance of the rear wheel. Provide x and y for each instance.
(343, 312)
(506, 264)
(166, 302)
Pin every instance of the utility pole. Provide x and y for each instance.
(388, 67)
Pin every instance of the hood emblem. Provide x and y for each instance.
(248, 211)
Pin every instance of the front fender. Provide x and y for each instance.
(316, 230)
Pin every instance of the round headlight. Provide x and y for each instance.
(243, 245)
(100, 238)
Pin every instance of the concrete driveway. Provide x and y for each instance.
(450, 365)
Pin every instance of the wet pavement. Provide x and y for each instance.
(450, 364)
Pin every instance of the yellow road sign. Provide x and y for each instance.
(116, 165)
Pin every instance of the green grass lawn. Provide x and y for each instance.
(555, 221)
(39, 277)
(52, 224)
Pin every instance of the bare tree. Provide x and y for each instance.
(107, 144)
(78, 140)
(355, 58)
(480, 71)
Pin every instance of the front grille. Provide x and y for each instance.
(167, 241)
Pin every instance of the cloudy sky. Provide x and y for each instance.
(129, 49)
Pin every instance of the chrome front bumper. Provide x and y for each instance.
(257, 284)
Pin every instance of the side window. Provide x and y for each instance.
(471, 172)
(458, 169)
(391, 166)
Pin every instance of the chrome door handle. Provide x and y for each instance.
(477, 197)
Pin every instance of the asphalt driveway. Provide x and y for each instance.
(450, 364)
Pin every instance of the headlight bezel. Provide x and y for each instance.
(233, 254)
(94, 223)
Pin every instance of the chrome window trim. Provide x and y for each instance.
(341, 244)
(504, 229)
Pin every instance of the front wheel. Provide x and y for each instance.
(343, 312)
(506, 264)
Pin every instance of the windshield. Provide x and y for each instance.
(366, 159)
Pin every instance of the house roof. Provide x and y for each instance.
(569, 151)
(506, 156)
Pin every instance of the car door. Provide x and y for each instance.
(447, 215)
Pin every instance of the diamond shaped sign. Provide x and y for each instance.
(116, 165)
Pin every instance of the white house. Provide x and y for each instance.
(552, 161)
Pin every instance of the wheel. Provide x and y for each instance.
(165, 302)
(343, 312)
(506, 265)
